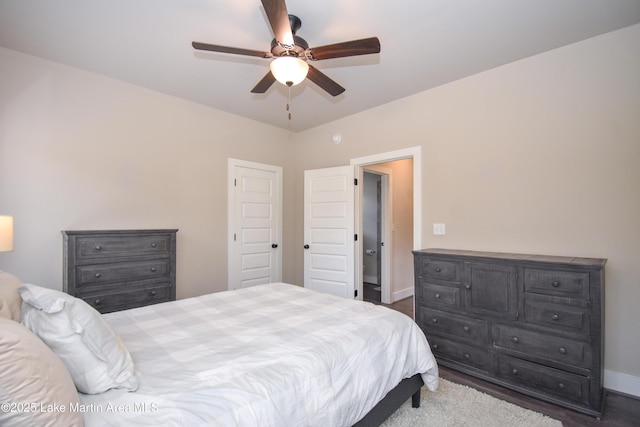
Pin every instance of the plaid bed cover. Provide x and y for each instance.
(271, 355)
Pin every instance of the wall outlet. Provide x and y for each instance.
(438, 229)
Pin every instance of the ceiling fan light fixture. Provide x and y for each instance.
(289, 70)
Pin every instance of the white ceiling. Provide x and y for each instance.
(424, 43)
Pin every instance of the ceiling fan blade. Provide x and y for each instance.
(234, 50)
(279, 19)
(340, 50)
(264, 84)
(321, 79)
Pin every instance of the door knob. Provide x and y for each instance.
(274, 245)
(306, 246)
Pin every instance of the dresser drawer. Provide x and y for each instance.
(534, 377)
(464, 328)
(431, 294)
(88, 247)
(555, 282)
(542, 345)
(97, 274)
(558, 316)
(476, 357)
(122, 300)
(438, 269)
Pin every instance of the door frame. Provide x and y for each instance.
(359, 163)
(232, 219)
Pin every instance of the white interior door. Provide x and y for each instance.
(329, 230)
(255, 224)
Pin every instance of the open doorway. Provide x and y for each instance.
(375, 220)
(401, 172)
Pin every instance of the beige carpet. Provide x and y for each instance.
(455, 405)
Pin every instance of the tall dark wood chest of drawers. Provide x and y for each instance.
(532, 323)
(119, 269)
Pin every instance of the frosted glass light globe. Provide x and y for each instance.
(289, 70)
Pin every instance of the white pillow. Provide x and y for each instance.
(92, 352)
(34, 381)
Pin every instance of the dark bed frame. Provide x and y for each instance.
(409, 387)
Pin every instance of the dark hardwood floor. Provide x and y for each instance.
(371, 293)
(619, 410)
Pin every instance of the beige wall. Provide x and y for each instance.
(538, 156)
(80, 151)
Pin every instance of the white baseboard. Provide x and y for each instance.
(402, 294)
(623, 383)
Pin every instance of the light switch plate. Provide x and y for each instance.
(438, 229)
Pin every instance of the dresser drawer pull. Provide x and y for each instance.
(437, 295)
(466, 329)
(98, 275)
(153, 245)
(434, 320)
(435, 346)
(560, 386)
(153, 269)
(562, 350)
(438, 269)
(97, 302)
(515, 340)
(467, 286)
(514, 371)
(467, 356)
(555, 317)
(152, 293)
(98, 247)
(555, 284)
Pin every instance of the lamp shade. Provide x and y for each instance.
(6, 233)
(289, 70)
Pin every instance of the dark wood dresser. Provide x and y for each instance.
(532, 323)
(119, 269)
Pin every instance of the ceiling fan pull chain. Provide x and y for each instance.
(289, 101)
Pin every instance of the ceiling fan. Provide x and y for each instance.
(291, 54)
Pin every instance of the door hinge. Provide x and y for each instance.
(355, 237)
(355, 293)
(235, 184)
(234, 237)
(355, 181)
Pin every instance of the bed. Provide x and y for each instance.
(270, 355)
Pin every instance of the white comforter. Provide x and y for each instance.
(272, 355)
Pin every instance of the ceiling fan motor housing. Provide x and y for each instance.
(300, 44)
(298, 49)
